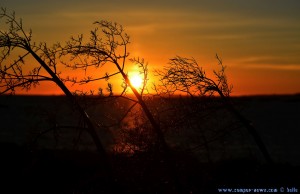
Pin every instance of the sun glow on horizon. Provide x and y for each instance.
(136, 80)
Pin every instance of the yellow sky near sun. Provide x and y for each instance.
(258, 41)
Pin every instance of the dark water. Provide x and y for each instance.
(277, 118)
(23, 118)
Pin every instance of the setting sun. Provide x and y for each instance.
(136, 80)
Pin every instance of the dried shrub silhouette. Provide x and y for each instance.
(23, 72)
(109, 49)
(186, 76)
(76, 54)
(16, 72)
(107, 45)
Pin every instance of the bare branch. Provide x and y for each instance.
(185, 75)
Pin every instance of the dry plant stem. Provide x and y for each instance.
(185, 75)
(112, 49)
(161, 139)
(91, 128)
(16, 37)
(225, 96)
(248, 126)
(149, 115)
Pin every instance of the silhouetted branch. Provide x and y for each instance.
(109, 47)
(12, 73)
(185, 75)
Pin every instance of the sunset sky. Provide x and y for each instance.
(259, 41)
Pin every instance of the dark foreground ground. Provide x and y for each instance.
(59, 171)
(26, 170)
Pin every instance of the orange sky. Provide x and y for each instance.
(258, 41)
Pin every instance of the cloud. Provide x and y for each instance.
(290, 67)
(271, 62)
